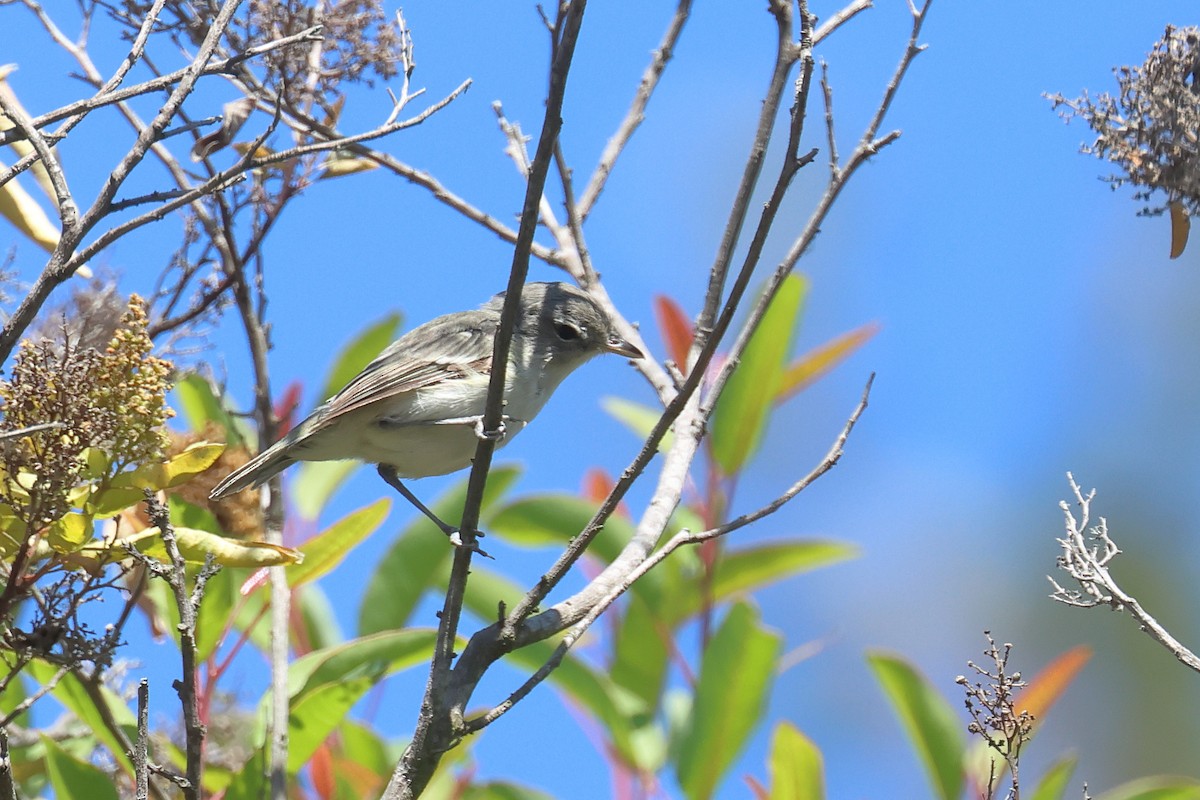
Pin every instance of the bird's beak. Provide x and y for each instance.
(616, 344)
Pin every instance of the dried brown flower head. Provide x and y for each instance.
(239, 515)
(360, 44)
(1151, 129)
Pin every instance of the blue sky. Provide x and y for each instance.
(1031, 324)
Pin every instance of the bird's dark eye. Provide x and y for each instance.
(566, 332)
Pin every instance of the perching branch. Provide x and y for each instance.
(677, 541)
(440, 720)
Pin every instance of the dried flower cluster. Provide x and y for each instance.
(113, 401)
(359, 42)
(995, 717)
(240, 516)
(360, 45)
(1151, 129)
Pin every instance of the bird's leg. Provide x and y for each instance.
(388, 473)
(476, 422)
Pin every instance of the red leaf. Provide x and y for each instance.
(760, 791)
(676, 329)
(286, 405)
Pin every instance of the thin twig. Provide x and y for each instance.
(637, 109)
(141, 752)
(684, 537)
(1087, 564)
(188, 603)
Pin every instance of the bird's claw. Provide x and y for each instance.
(471, 543)
(494, 435)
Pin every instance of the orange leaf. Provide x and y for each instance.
(321, 770)
(803, 372)
(597, 483)
(676, 329)
(1180, 226)
(1046, 687)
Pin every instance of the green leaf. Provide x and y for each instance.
(318, 618)
(641, 656)
(190, 515)
(639, 418)
(325, 685)
(1056, 781)
(751, 568)
(74, 778)
(363, 747)
(326, 550)
(554, 519)
(74, 696)
(797, 769)
(416, 560)
(742, 411)
(250, 782)
(1158, 787)
(200, 405)
(110, 502)
(928, 720)
(214, 620)
(315, 715)
(360, 352)
(736, 674)
(383, 653)
(315, 483)
(621, 712)
(502, 790)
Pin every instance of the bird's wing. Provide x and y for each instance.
(442, 349)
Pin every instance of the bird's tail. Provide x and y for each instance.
(258, 470)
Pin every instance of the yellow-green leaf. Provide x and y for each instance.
(337, 165)
(70, 532)
(196, 545)
(797, 769)
(19, 208)
(95, 463)
(639, 418)
(74, 777)
(177, 469)
(110, 502)
(23, 147)
(736, 673)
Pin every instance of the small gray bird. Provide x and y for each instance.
(417, 408)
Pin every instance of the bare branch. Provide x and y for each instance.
(1086, 562)
(674, 543)
(441, 711)
(637, 110)
(841, 18)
